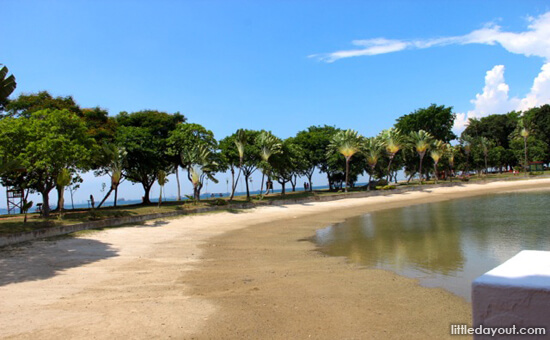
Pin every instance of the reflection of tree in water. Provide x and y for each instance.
(426, 237)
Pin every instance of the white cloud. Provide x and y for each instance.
(540, 92)
(533, 42)
(494, 98)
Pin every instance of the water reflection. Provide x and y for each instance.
(445, 244)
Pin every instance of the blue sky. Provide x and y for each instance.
(281, 65)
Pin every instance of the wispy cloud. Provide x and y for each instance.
(493, 99)
(535, 41)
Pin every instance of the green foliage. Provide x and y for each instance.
(44, 144)
(436, 120)
(496, 128)
(288, 164)
(202, 165)
(184, 137)
(347, 143)
(315, 141)
(26, 104)
(144, 136)
(218, 202)
(7, 86)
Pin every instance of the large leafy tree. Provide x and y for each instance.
(436, 120)
(7, 86)
(44, 144)
(314, 142)
(26, 104)
(539, 119)
(496, 128)
(288, 164)
(144, 136)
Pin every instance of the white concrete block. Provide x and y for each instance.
(514, 293)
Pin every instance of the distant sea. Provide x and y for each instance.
(122, 201)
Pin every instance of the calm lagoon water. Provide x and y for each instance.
(446, 244)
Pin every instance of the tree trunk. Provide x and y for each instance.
(60, 199)
(262, 186)
(247, 189)
(147, 189)
(160, 196)
(234, 188)
(178, 182)
(116, 194)
(525, 148)
(435, 172)
(420, 167)
(283, 188)
(72, 201)
(389, 171)
(232, 183)
(45, 203)
(105, 198)
(368, 184)
(347, 173)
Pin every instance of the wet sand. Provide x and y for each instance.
(252, 274)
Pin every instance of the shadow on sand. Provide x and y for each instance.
(45, 259)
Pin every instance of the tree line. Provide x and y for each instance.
(46, 142)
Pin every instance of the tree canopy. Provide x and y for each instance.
(436, 120)
(44, 144)
(144, 136)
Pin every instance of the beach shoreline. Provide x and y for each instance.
(250, 274)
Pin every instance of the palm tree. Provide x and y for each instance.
(240, 143)
(485, 144)
(393, 142)
(450, 152)
(467, 145)
(117, 157)
(372, 149)
(201, 166)
(347, 143)
(161, 179)
(523, 131)
(269, 145)
(438, 150)
(7, 86)
(421, 141)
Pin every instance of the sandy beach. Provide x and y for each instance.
(251, 274)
